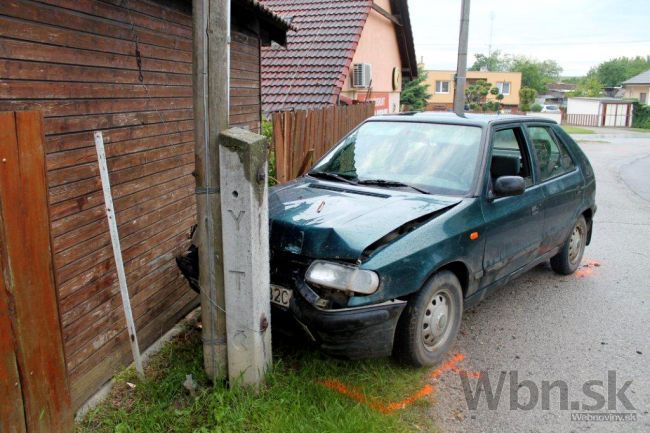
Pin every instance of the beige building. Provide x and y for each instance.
(441, 87)
(638, 87)
(343, 52)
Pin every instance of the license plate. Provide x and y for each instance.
(281, 296)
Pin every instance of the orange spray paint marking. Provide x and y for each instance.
(386, 408)
(587, 269)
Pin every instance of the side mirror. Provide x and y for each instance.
(506, 186)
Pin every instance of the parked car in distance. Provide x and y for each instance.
(551, 109)
(412, 218)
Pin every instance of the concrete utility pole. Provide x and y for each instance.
(245, 217)
(211, 116)
(461, 68)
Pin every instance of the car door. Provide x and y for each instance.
(561, 182)
(513, 225)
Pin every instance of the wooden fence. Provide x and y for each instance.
(301, 137)
(33, 381)
(583, 119)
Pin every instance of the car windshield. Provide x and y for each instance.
(429, 157)
(551, 107)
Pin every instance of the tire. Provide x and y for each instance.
(423, 342)
(568, 259)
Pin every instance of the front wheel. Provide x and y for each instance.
(430, 322)
(568, 259)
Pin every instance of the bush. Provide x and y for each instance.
(526, 98)
(536, 108)
(641, 116)
(267, 131)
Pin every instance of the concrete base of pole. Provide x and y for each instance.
(244, 215)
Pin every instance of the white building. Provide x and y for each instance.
(600, 111)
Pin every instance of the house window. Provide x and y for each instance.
(643, 98)
(504, 87)
(442, 86)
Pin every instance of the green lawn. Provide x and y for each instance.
(577, 130)
(293, 399)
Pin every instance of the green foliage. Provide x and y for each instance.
(415, 92)
(477, 93)
(570, 80)
(267, 131)
(613, 72)
(536, 108)
(536, 74)
(526, 98)
(495, 61)
(641, 116)
(587, 86)
(291, 400)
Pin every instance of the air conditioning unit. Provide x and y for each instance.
(361, 75)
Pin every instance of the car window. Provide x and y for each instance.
(509, 156)
(438, 158)
(552, 157)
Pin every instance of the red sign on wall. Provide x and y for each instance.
(381, 100)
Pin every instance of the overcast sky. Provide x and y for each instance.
(578, 34)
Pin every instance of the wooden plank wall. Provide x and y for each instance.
(301, 137)
(75, 60)
(39, 386)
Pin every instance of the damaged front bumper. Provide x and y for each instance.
(354, 333)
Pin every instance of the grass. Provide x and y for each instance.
(577, 130)
(640, 130)
(292, 400)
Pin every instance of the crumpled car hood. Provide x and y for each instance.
(330, 220)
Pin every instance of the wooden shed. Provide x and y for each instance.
(123, 67)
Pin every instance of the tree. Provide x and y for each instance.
(526, 98)
(495, 61)
(536, 108)
(613, 72)
(476, 96)
(415, 92)
(587, 86)
(536, 74)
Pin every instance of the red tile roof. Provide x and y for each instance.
(311, 70)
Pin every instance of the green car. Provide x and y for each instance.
(412, 218)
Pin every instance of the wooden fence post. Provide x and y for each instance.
(28, 289)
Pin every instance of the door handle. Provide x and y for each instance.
(535, 209)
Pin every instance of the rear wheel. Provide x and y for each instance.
(568, 259)
(430, 322)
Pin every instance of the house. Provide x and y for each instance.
(599, 111)
(556, 94)
(441, 87)
(123, 67)
(638, 87)
(342, 51)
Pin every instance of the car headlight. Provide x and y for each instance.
(341, 277)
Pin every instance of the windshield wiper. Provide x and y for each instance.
(331, 176)
(391, 183)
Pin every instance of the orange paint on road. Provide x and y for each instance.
(386, 408)
(587, 269)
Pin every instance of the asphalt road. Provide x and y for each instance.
(546, 327)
